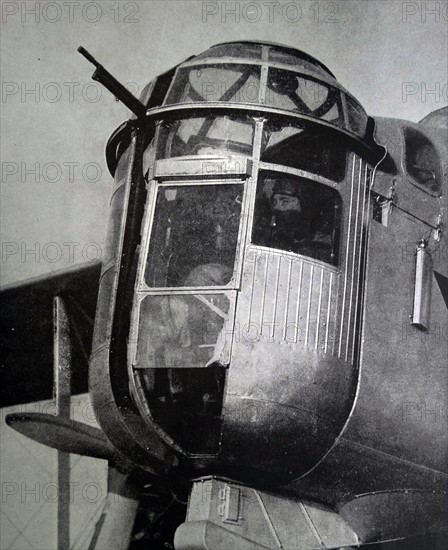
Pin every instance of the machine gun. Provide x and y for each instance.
(104, 77)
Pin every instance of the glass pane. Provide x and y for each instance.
(313, 149)
(250, 51)
(287, 58)
(147, 91)
(181, 362)
(289, 91)
(211, 135)
(297, 215)
(194, 236)
(180, 331)
(122, 167)
(357, 117)
(422, 161)
(227, 82)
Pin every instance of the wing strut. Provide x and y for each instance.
(60, 432)
(62, 389)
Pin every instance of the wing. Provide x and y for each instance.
(27, 332)
(47, 337)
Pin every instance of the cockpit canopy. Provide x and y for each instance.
(273, 76)
(207, 105)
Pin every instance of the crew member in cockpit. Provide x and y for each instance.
(292, 221)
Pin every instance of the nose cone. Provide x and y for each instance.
(282, 416)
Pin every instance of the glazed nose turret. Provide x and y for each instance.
(237, 239)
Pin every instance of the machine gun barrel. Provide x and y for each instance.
(104, 77)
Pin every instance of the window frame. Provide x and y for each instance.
(406, 131)
(233, 284)
(288, 253)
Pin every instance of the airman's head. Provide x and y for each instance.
(286, 196)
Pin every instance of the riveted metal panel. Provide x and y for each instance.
(352, 258)
(289, 298)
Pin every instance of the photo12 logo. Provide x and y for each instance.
(424, 12)
(270, 12)
(55, 92)
(51, 172)
(412, 411)
(52, 492)
(435, 92)
(51, 252)
(70, 12)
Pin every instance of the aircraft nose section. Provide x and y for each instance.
(187, 404)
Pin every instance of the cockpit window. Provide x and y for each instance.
(293, 92)
(296, 60)
(194, 235)
(285, 89)
(422, 161)
(209, 135)
(312, 149)
(357, 117)
(297, 215)
(252, 51)
(230, 83)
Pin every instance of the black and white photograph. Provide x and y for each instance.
(224, 275)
